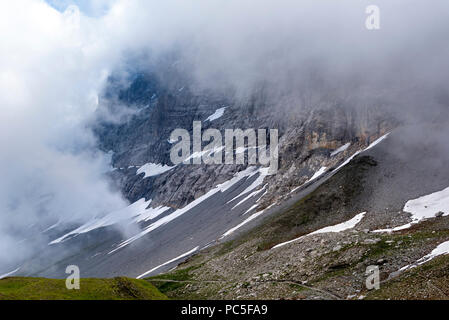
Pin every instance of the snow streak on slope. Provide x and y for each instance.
(403, 227)
(9, 273)
(342, 226)
(217, 114)
(206, 152)
(168, 262)
(372, 145)
(440, 250)
(322, 170)
(348, 160)
(263, 173)
(153, 169)
(135, 212)
(252, 194)
(341, 149)
(251, 218)
(318, 174)
(52, 226)
(335, 228)
(220, 188)
(376, 142)
(296, 188)
(425, 207)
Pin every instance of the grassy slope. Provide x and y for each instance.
(90, 289)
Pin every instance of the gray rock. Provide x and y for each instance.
(337, 248)
(439, 214)
(371, 241)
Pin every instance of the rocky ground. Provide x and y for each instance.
(328, 266)
(331, 265)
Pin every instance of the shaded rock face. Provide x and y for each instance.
(153, 106)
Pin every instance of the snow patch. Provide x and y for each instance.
(318, 174)
(52, 227)
(251, 218)
(423, 208)
(342, 226)
(372, 145)
(376, 142)
(200, 154)
(335, 228)
(252, 194)
(153, 169)
(254, 206)
(168, 262)
(427, 206)
(297, 188)
(341, 149)
(263, 172)
(217, 114)
(440, 250)
(348, 160)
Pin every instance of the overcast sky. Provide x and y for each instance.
(93, 8)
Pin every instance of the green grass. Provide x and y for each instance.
(18, 288)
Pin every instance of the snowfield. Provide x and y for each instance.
(423, 208)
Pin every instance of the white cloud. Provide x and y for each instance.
(51, 69)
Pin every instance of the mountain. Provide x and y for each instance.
(348, 175)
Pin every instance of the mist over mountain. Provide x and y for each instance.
(90, 92)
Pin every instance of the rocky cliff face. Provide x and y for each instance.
(308, 135)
